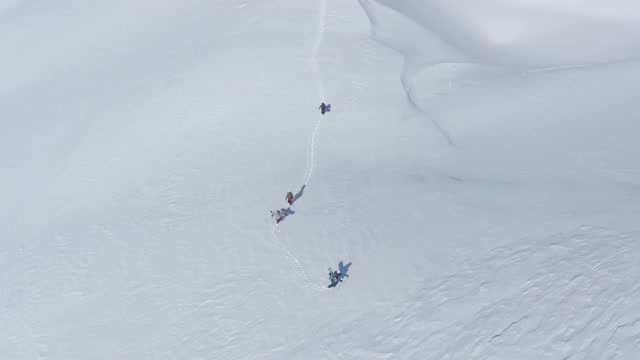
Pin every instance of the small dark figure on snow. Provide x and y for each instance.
(279, 215)
(334, 277)
(323, 108)
(290, 198)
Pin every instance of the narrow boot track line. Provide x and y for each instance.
(321, 91)
(291, 257)
(312, 142)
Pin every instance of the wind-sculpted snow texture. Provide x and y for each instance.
(478, 177)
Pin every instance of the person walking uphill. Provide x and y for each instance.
(290, 198)
(323, 108)
(278, 215)
(334, 277)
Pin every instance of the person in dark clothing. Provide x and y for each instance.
(323, 108)
(290, 198)
(334, 277)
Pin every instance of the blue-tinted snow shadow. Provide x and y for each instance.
(299, 194)
(344, 269)
(286, 212)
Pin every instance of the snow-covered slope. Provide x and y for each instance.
(478, 179)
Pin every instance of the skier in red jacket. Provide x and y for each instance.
(290, 198)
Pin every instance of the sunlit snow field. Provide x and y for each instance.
(477, 179)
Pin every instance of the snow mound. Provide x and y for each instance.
(527, 32)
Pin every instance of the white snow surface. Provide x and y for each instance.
(478, 179)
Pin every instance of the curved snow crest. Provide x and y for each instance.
(528, 32)
(487, 54)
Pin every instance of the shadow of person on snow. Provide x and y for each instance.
(299, 194)
(344, 269)
(287, 211)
